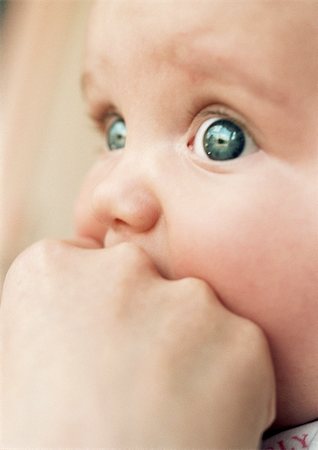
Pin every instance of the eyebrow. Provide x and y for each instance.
(214, 61)
(86, 80)
(209, 63)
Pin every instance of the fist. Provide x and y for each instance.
(99, 350)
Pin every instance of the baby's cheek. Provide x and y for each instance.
(258, 255)
(263, 266)
(232, 258)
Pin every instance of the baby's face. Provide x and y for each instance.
(210, 112)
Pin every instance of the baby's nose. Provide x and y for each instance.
(126, 199)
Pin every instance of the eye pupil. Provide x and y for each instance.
(223, 140)
(116, 135)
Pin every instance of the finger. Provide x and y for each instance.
(82, 242)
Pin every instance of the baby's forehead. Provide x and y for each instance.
(267, 44)
(284, 32)
(223, 17)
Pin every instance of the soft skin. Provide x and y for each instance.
(247, 226)
(99, 351)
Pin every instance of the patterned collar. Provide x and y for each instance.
(300, 438)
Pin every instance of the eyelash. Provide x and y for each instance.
(218, 111)
(103, 117)
(100, 121)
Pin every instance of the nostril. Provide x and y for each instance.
(118, 223)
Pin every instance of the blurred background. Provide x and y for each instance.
(47, 141)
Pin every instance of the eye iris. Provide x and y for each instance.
(223, 140)
(116, 136)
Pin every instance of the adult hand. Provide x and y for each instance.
(99, 350)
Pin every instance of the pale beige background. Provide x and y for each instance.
(47, 142)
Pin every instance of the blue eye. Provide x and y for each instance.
(116, 134)
(222, 140)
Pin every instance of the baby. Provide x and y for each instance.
(209, 114)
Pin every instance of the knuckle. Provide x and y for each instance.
(190, 283)
(38, 254)
(251, 354)
(28, 258)
(34, 260)
(196, 289)
(27, 287)
(250, 337)
(194, 300)
(252, 333)
(49, 249)
(132, 256)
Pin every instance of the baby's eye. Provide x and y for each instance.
(221, 140)
(116, 134)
